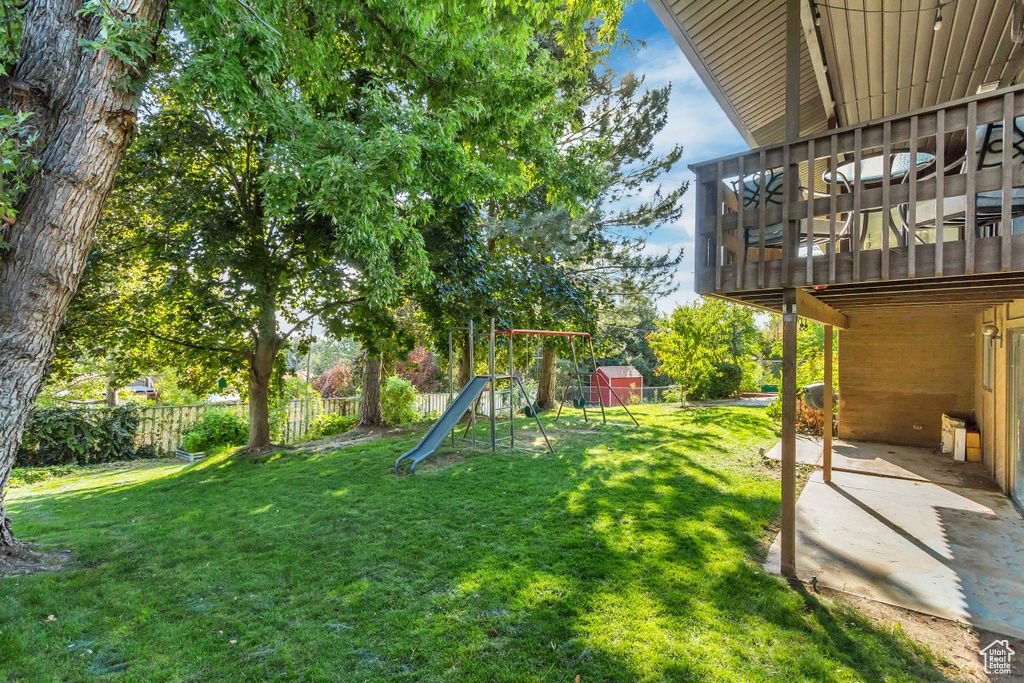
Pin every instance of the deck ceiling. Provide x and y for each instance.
(870, 64)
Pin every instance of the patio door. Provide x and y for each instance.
(1016, 464)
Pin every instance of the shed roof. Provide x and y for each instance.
(611, 371)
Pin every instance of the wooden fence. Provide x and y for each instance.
(163, 427)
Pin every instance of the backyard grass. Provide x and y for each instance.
(629, 554)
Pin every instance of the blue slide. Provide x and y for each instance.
(446, 423)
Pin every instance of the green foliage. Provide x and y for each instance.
(754, 376)
(23, 476)
(215, 429)
(330, 424)
(626, 328)
(16, 163)
(397, 401)
(62, 435)
(282, 405)
(810, 350)
(322, 355)
(719, 380)
(126, 38)
(695, 337)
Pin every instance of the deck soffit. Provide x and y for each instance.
(738, 49)
(873, 63)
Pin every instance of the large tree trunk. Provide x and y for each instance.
(370, 414)
(465, 372)
(546, 389)
(261, 371)
(85, 118)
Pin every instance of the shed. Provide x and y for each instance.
(626, 380)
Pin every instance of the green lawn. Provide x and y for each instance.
(629, 554)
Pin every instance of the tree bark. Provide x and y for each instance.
(370, 414)
(261, 371)
(85, 119)
(546, 389)
(465, 372)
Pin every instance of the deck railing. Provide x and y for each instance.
(931, 193)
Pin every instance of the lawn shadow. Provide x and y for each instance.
(622, 556)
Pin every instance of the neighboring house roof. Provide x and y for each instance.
(612, 371)
(870, 64)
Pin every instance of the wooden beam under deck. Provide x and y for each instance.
(807, 306)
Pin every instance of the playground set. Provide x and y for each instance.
(515, 396)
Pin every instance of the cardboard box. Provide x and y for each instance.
(973, 454)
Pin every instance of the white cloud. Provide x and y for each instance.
(694, 120)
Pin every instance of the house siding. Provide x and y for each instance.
(993, 405)
(900, 370)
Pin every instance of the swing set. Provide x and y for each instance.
(469, 398)
(516, 389)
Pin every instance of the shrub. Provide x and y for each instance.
(421, 368)
(808, 420)
(64, 435)
(722, 380)
(397, 398)
(753, 377)
(215, 429)
(336, 382)
(330, 424)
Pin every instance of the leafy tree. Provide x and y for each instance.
(696, 336)
(625, 330)
(68, 100)
(597, 221)
(278, 190)
(323, 354)
(354, 97)
(810, 350)
(335, 382)
(421, 369)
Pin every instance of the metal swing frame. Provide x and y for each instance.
(515, 382)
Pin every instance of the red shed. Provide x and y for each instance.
(627, 382)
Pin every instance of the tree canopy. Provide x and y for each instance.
(694, 337)
(288, 159)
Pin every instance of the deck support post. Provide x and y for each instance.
(790, 325)
(826, 431)
(791, 231)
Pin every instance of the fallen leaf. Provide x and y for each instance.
(51, 618)
(233, 642)
(493, 633)
(577, 678)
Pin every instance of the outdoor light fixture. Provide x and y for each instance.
(991, 331)
(938, 17)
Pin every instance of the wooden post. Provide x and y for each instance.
(790, 323)
(826, 440)
(791, 227)
(789, 312)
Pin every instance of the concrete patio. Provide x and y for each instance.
(912, 528)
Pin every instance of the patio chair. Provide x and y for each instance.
(773, 196)
(988, 204)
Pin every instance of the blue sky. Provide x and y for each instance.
(695, 120)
